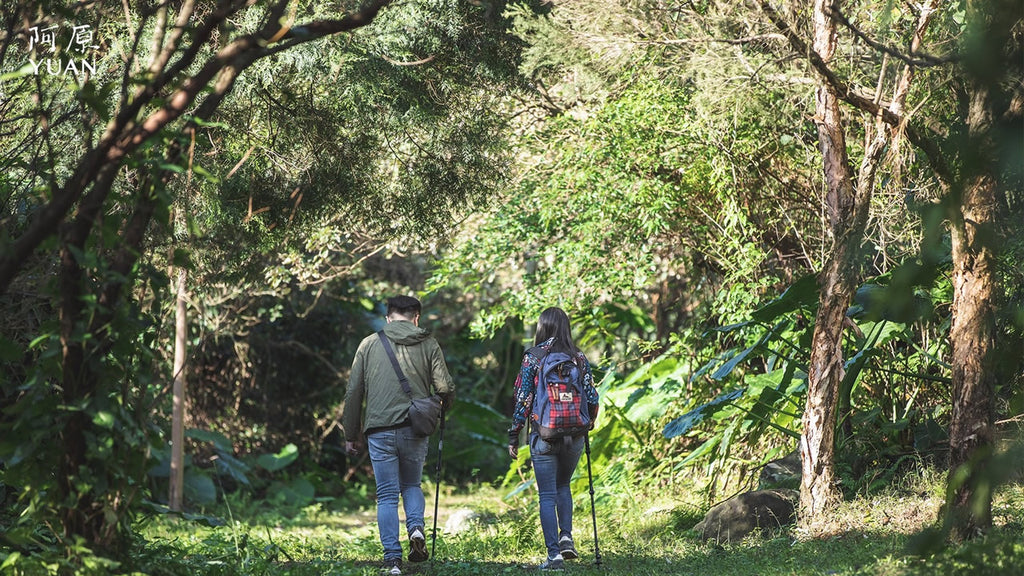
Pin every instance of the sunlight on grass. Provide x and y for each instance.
(644, 534)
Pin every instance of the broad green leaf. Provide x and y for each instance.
(702, 450)
(11, 560)
(275, 462)
(199, 487)
(727, 368)
(216, 438)
(232, 466)
(25, 70)
(800, 295)
(686, 422)
(297, 492)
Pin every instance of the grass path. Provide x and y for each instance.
(868, 536)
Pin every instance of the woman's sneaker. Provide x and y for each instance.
(568, 548)
(555, 563)
(417, 546)
(393, 567)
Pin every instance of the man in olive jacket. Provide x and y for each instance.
(377, 409)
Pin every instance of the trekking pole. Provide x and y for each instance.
(593, 512)
(437, 482)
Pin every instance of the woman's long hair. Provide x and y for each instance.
(554, 322)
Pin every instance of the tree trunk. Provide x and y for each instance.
(78, 386)
(177, 478)
(973, 331)
(848, 208)
(993, 69)
(818, 491)
(968, 174)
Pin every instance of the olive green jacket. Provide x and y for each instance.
(374, 398)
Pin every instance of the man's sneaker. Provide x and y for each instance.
(555, 563)
(568, 548)
(393, 567)
(417, 546)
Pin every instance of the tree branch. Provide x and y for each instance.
(861, 100)
(96, 169)
(915, 58)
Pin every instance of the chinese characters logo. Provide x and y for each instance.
(62, 51)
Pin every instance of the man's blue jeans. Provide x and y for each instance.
(397, 457)
(553, 465)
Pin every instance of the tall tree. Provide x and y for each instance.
(847, 200)
(178, 76)
(398, 141)
(847, 213)
(967, 164)
(987, 151)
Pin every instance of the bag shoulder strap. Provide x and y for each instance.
(538, 352)
(394, 362)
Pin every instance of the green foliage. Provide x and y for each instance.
(890, 412)
(118, 431)
(435, 133)
(578, 212)
(653, 171)
(644, 534)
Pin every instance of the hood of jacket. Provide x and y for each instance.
(405, 333)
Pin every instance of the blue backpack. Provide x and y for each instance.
(560, 408)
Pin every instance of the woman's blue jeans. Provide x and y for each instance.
(397, 457)
(554, 463)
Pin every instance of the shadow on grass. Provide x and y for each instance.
(851, 554)
(617, 566)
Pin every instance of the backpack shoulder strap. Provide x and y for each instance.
(394, 362)
(538, 352)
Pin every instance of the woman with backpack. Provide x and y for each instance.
(555, 392)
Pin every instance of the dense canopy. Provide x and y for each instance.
(778, 227)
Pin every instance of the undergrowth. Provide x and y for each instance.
(648, 533)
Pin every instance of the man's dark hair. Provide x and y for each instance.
(406, 306)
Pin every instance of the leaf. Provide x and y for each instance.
(232, 466)
(477, 418)
(725, 369)
(711, 364)
(275, 462)
(522, 487)
(686, 422)
(801, 294)
(206, 174)
(25, 70)
(203, 519)
(298, 492)
(11, 560)
(97, 100)
(199, 487)
(702, 450)
(182, 259)
(929, 435)
(219, 440)
(157, 508)
(730, 327)
(103, 419)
